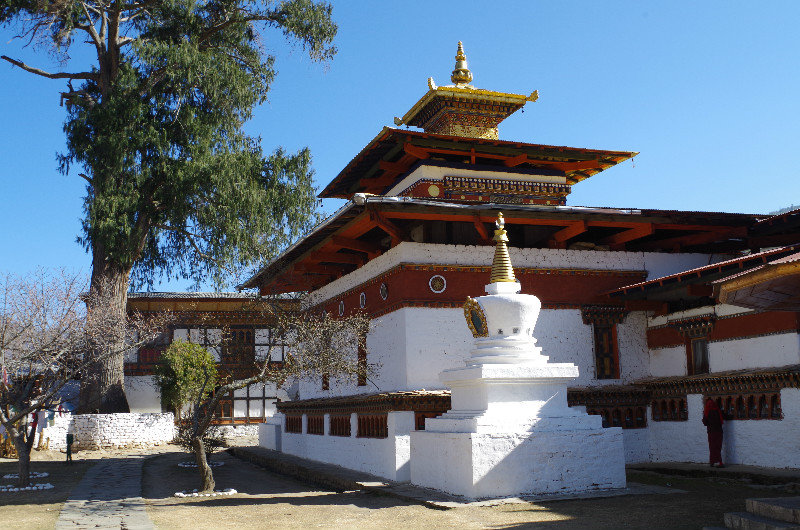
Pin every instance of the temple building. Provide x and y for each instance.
(658, 309)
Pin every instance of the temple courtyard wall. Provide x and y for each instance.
(387, 457)
(110, 431)
(770, 443)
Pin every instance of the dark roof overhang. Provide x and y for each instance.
(370, 225)
(697, 283)
(393, 152)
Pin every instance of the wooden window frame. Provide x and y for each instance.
(614, 343)
(690, 351)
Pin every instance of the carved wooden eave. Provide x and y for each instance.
(734, 381)
(695, 327)
(609, 395)
(603, 314)
(416, 400)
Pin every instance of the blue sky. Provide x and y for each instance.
(707, 92)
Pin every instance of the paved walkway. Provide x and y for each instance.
(108, 496)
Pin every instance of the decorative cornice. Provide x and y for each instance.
(603, 314)
(419, 400)
(627, 396)
(695, 327)
(767, 380)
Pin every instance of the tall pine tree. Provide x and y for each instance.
(174, 185)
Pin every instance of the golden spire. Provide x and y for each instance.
(461, 76)
(502, 271)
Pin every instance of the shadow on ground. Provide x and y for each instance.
(269, 499)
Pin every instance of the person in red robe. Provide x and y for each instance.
(713, 420)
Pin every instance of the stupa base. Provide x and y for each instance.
(492, 465)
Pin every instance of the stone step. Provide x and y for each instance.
(749, 521)
(781, 508)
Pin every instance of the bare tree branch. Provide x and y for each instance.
(57, 75)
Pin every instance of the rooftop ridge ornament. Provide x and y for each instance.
(502, 271)
(461, 76)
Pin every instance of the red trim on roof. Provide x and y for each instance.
(759, 258)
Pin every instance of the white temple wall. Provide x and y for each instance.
(385, 457)
(666, 362)
(755, 352)
(637, 445)
(564, 338)
(680, 441)
(386, 344)
(414, 344)
(142, 393)
(437, 339)
(634, 359)
(772, 443)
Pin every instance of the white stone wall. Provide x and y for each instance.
(142, 393)
(385, 457)
(413, 345)
(766, 351)
(771, 443)
(666, 362)
(57, 429)
(637, 445)
(106, 431)
(755, 352)
(234, 433)
(680, 441)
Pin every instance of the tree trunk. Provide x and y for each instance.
(103, 383)
(24, 462)
(206, 476)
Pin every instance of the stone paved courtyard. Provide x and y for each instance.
(266, 499)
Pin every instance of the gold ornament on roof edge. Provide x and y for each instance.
(461, 76)
(502, 271)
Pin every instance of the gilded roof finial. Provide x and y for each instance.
(461, 76)
(502, 271)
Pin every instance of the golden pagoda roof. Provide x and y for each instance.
(472, 100)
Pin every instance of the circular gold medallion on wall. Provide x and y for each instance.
(437, 283)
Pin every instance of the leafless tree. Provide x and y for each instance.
(317, 346)
(45, 330)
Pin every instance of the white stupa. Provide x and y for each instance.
(510, 431)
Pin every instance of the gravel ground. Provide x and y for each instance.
(40, 509)
(266, 500)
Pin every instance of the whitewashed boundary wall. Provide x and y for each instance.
(385, 457)
(771, 443)
(109, 431)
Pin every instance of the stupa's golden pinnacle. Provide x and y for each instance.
(461, 76)
(502, 271)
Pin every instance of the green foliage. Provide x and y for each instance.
(185, 374)
(175, 186)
